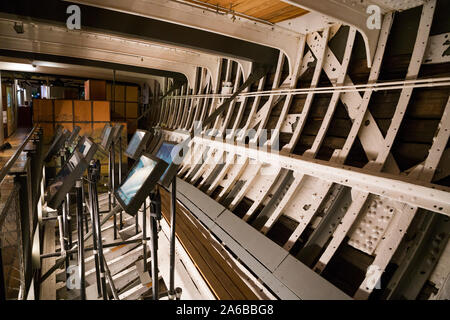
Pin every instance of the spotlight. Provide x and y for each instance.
(18, 27)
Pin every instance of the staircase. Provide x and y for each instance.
(124, 261)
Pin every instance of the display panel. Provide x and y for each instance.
(87, 148)
(107, 136)
(117, 131)
(73, 135)
(137, 144)
(140, 181)
(57, 144)
(59, 128)
(104, 131)
(169, 152)
(65, 179)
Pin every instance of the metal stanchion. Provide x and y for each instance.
(85, 215)
(94, 237)
(68, 223)
(64, 215)
(62, 157)
(62, 242)
(120, 179)
(173, 209)
(64, 229)
(136, 224)
(80, 214)
(155, 216)
(69, 217)
(144, 235)
(109, 180)
(94, 173)
(113, 186)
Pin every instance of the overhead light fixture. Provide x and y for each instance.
(18, 27)
(12, 66)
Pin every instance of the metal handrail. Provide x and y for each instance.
(13, 159)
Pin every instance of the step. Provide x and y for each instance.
(128, 232)
(116, 265)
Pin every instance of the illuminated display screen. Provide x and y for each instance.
(136, 178)
(86, 147)
(64, 180)
(106, 137)
(137, 144)
(165, 153)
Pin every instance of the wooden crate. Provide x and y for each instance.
(82, 111)
(101, 111)
(86, 128)
(131, 94)
(63, 110)
(131, 110)
(42, 110)
(95, 90)
(131, 126)
(97, 128)
(119, 93)
(48, 131)
(109, 92)
(119, 110)
(124, 104)
(85, 114)
(66, 125)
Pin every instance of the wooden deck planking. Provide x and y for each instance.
(222, 278)
(269, 10)
(48, 287)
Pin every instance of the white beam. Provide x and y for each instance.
(49, 39)
(15, 64)
(187, 15)
(410, 191)
(350, 12)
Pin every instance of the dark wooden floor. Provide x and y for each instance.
(15, 140)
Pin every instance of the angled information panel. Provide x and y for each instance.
(59, 141)
(87, 147)
(141, 180)
(73, 136)
(72, 170)
(107, 137)
(170, 153)
(117, 132)
(138, 144)
(65, 180)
